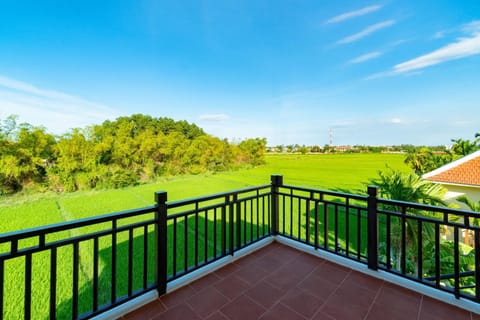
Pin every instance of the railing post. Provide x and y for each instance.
(372, 228)
(277, 181)
(161, 241)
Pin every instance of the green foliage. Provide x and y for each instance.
(114, 154)
(423, 160)
(464, 147)
(254, 150)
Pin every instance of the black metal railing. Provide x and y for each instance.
(79, 269)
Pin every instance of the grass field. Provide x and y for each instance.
(345, 172)
(348, 172)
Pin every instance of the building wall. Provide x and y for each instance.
(456, 191)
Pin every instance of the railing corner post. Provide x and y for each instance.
(161, 241)
(372, 228)
(277, 181)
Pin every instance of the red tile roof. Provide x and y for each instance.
(464, 171)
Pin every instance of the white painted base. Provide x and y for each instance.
(383, 275)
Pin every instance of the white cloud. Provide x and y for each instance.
(366, 57)
(366, 32)
(55, 110)
(353, 14)
(439, 34)
(461, 48)
(395, 120)
(214, 117)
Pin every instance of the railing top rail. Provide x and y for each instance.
(180, 203)
(62, 226)
(428, 207)
(326, 192)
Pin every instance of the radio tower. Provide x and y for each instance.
(331, 137)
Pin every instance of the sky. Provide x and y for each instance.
(372, 72)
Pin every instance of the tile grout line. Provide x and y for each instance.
(420, 307)
(332, 293)
(374, 299)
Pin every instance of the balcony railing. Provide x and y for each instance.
(82, 268)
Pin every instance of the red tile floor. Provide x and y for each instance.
(278, 282)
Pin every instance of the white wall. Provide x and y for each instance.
(456, 191)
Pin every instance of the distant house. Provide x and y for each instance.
(460, 178)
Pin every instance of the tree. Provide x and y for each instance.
(474, 206)
(423, 159)
(254, 150)
(408, 187)
(464, 147)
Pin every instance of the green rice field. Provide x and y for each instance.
(339, 172)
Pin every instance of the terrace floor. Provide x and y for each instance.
(278, 282)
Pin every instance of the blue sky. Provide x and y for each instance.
(376, 72)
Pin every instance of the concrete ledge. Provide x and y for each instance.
(383, 275)
(127, 307)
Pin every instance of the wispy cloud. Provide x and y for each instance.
(439, 34)
(366, 32)
(57, 111)
(353, 14)
(214, 117)
(461, 48)
(366, 57)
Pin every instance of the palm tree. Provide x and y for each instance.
(464, 147)
(474, 206)
(409, 187)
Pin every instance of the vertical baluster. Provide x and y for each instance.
(389, 241)
(316, 224)
(130, 262)
(215, 233)
(185, 244)
(76, 262)
(437, 255)
(325, 225)
(263, 216)
(283, 213)
(403, 242)
(477, 264)
(456, 264)
(205, 224)
(239, 221)
(53, 283)
(336, 227)
(95, 274)
(359, 234)
(299, 234)
(307, 222)
(196, 231)
(28, 286)
(291, 213)
(114, 262)
(420, 250)
(145, 257)
(347, 226)
(251, 220)
(224, 227)
(257, 199)
(2, 281)
(174, 255)
(245, 225)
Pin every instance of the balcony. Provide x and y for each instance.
(269, 251)
(281, 282)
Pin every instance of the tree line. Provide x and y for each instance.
(114, 154)
(426, 159)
